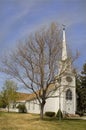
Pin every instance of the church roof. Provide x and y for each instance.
(22, 96)
(26, 96)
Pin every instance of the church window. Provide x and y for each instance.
(68, 94)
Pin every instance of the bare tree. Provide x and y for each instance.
(34, 63)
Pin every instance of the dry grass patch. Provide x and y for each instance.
(17, 121)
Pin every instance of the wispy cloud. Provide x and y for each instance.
(14, 15)
(20, 17)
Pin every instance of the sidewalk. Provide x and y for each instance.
(81, 118)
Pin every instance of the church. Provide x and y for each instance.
(66, 101)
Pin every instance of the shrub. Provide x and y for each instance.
(59, 114)
(50, 114)
(22, 108)
(80, 113)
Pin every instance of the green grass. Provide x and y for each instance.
(17, 121)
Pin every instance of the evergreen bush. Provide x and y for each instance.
(80, 113)
(59, 114)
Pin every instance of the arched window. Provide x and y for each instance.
(68, 94)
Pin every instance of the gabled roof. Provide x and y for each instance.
(28, 97)
(22, 96)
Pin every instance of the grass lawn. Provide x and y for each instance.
(17, 121)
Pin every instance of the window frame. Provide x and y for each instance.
(69, 94)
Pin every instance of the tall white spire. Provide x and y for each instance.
(64, 47)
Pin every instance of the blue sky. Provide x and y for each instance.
(19, 18)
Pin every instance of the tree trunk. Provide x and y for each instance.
(42, 109)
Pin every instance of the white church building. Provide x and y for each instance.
(66, 101)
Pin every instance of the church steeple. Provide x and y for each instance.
(64, 46)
